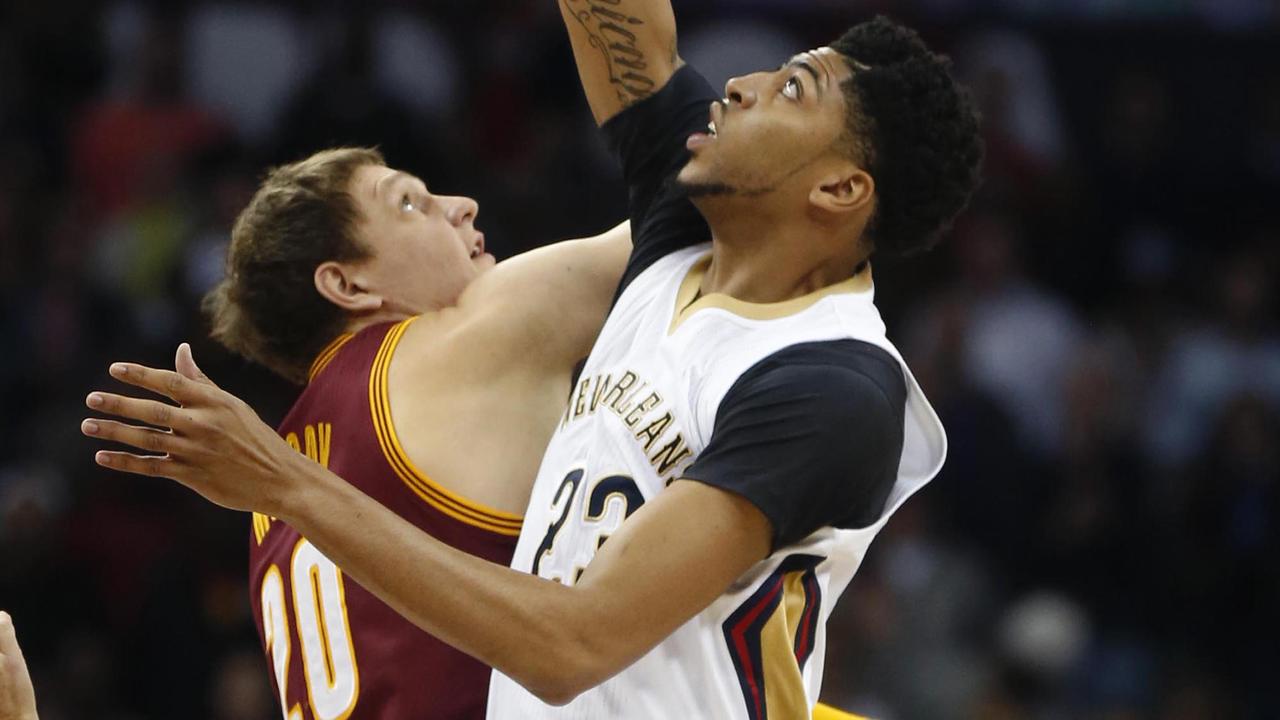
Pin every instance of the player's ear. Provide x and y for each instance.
(845, 190)
(340, 284)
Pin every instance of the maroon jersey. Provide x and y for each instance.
(335, 650)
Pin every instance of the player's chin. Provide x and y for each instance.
(483, 262)
(692, 171)
(695, 175)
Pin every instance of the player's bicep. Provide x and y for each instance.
(549, 303)
(625, 50)
(667, 562)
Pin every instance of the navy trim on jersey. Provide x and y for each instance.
(742, 629)
(807, 632)
(649, 140)
(812, 436)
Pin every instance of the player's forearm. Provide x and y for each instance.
(625, 50)
(509, 620)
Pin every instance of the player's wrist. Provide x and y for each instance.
(303, 490)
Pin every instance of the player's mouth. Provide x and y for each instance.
(700, 140)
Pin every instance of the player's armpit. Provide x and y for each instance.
(625, 50)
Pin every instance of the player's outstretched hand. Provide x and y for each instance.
(17, 697)
(211, 441)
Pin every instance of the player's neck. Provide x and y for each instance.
(358, 322)
(762, 259)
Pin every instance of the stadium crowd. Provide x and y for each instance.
(1099, 333)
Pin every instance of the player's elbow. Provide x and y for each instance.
(559, 686)
(556, 694)
(565, 671)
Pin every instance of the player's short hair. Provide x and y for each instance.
(267, 307)
(914, 128)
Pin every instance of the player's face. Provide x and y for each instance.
(772, 130)
(426, 248)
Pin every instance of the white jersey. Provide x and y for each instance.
(642, 412)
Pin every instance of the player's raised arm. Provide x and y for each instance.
(648, 104)
(549, 303)
(625, 50)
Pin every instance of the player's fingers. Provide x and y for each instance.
(143, 438)
(153, 412)
(185, 363)
(150, 465)
(165, 382)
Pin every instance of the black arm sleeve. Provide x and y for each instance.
(649, 139)
(812, 436)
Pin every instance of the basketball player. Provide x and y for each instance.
(741, 410)
(353, 279)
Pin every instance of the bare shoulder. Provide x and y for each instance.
(436, 346)
(466, 413)
(553, 268)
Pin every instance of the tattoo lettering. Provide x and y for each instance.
(610, 31)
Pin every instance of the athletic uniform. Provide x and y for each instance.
(336, 651)
(803, 407)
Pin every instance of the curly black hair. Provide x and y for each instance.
(914, 129)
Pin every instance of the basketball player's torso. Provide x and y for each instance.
(335, 650)
(642, 410)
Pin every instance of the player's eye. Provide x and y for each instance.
(407, 204)
(792, 88)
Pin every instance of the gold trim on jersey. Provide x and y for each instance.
(431, 492)
(326, 355)
(826, 712)
(261, 525)
(784, 692)
(689, 302)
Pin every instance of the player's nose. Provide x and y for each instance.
(740, 91)
(463, 210)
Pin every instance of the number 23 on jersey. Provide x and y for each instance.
(614, 492)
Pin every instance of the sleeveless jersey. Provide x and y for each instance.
(642, 412)
(335, 650)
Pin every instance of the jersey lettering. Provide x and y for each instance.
(611, 500)
(328, 654)
(275, 631)
(324, 633)
(563, 500)
(642, 410)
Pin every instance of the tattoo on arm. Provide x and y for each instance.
(612, 33)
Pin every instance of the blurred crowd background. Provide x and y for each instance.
(1099, 332)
